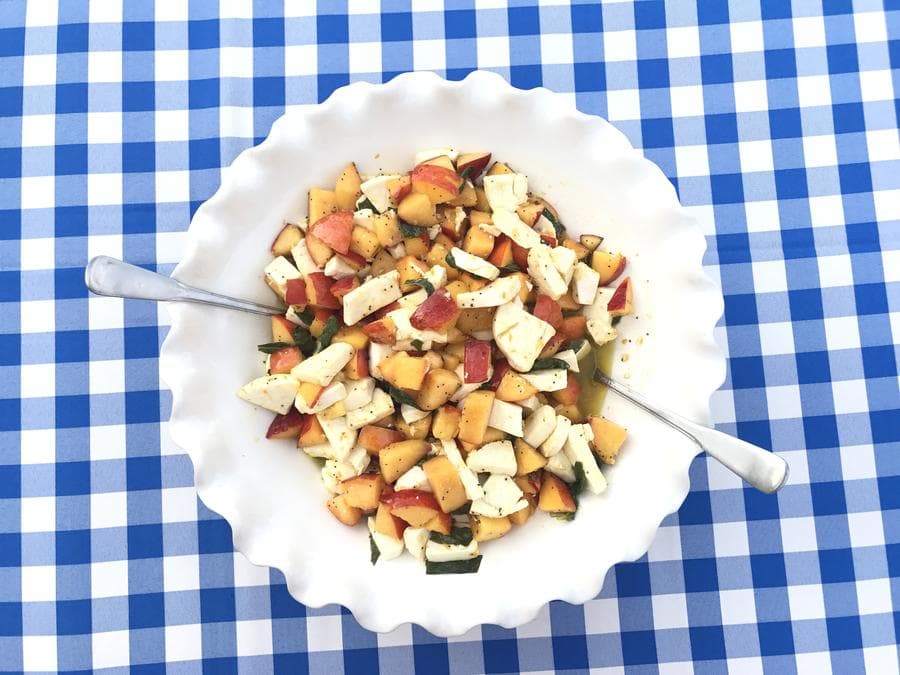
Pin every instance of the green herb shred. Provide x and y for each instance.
(450, 260)
(400, 396)
(305, 341)
(416, 344)
(563, 515)
(558, 226)
(306, 316)
(272, 347)
(459, 536)
(409, 231)
(374, 549)
(422, 282)
(469, 566)
(328, 332)
(464, 174)
(366, 203)
(549, 364)
(512, 267)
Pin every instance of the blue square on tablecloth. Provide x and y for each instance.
(836, 565)
(138, 36)
(11, 618)
(460, 23)
(146, 610)
(10, 481)
(523, 20)
(768, 570)
(879, 361)
(71, 98)
(828, 498)
(844, 632)
(707, 643)
(145, 541)
(214, 536)
(203, 34)
(12, 41)
(396, 27)
(638, 647)
(268, 31)
(785, 123)
(73, 547)
(71, 38)
(700, 575)
(73, 617)
(775, 637)
(332, 29)
(587, 18)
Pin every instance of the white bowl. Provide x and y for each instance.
(271, 494)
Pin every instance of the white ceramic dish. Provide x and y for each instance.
(271, 494)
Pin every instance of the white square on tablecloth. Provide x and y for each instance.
(175, 10)
(841, 332)
(721, 405)
(870, 26)
(686, 101)
(850, 396)
(105, 244)
(623, 104)
(826, 210)
(324, 633)
(363, 7)
(179, 505)
(236, 9)
(104, 67)
(401, 636)
(38, 192)
(866, 529)
(429, 54)
(105, 12)
(184, 643)
(738, 606)
(891, 264)
(37, 316)
(38, 130)
(493, 51)
(39, 69)
(876, 85)
(667, 668)
(756, 155)
(173, 186)
(104, 127)
(887, 205)
(39, 651)
(38, 380)
(300, 59)
(38, 514)
(104, 189)
(798, 534)
(172, 125)
(601, 616)
(813, 90)
(38, 583)
(107, 442)
(751, 96)
(874, 596)
(666, 545)
(762, 216)
(883, 145)
(38, 446)
(799, 469)
(857, 462)
(364, 57)
(236, 61)
(669, 610)
(776, 338)
(111, 649)
(557, 48)
(105, 313)
(809, 31)
(746, 36)
(806, 602)
(813, 662)
(731, 539)
(253, 637)
(171, 65)
(41, 13)
(619, 45)
(819, 150)
(109, 509)
(37, 254)
(248, 574)
(181, 573)
(769, 276)
(537, 627)
(744, 665)
(109, 579)
(683, 41)
(234, 122)
(783, 402)
(692, 160)
(107, 377)
(881, 659)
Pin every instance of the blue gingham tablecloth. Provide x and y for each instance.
(777, 122)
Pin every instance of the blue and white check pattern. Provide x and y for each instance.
(776, 122)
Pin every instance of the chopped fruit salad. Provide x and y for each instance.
(435, 328)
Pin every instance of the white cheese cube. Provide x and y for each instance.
(378, 408)
(406, 331)
(545, 227)
(432, 153)
(388, 547)
(506, 417)
(558, 438)
(437, 275)
(336, 268)
(506, 191)
(569, 357)
(377, 353)
(363, 218)
(278, 272)
(341, 436)
(359, 393)
(599, 321)
(473, 264)
(466, 475)
(542, 268)
(321, 368)
(334, 392)
(578, 450)
(413, 300)
(501, 497)
(464, 389)
(323, 451)
(334, 472)
(437, 552)
(303, 260)
(371, 296)
(552, 379)
(412, 414)
(585, 282)
(415, 539)
(564, 259)
(359, 459)
(539, 425)
(509, 223)
(272, 392)
(376, 191)
(497, 457)
(414, 479)
(397, 251)
(292, 315)
(498, 292)
(530, 404)
(560, 465)
(521, 346)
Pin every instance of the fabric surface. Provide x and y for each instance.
(776, 122)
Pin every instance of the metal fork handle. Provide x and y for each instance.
(108, 276)
(762, 469)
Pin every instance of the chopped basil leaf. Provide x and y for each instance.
(408, 231)
(459, 536)
(576, 345)
(417, 345)
(422, 282)
(563, 515)
(464, 174)
(577, 487)
(374, 549)
(512, 267)
(328, 332)
(615, 320)
(549, 364)
(462, 510)
(400, 396)
(272, 347)
(305, 341)
(558, 226)
(365, 204)
(453, 566)
(451, 261)
(306, 316)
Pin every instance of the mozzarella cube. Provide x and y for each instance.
(545, 227)
(599, 321)
(336, 268)
(521, 346)
(473, 264)
(412, 414)
(415, 540)
(388, 547)
(359, 459)
(293, 316)
(378, 408)
(539, 425)
(501, 497)
(303, 260)
(278, 272)
(506, 191)
(397, 251)
(437, 275)
(377, 353)
(413, 300)
(334, 472)
(569, 357)
(406, 331)
(577, 450)
(414, 479)
(334, 392)
(530, 404)
(509, 223)
(542, 268)
(559, 465)
(359, 393)
(363, 218)
(376, 191)
(506, 417)
(498, 292)
(468, 478)
(321, 368)
(585, 282)
(272, 392)
(371, 296)
(339, 434)
(497, 457)
(437, 552)
(557, 439)
(564, 259)
(324, 451)
(552, 379)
